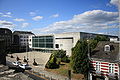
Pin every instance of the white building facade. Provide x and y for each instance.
(65, 41)
(22, 39)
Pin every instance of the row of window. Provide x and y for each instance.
(23, 36)
(8, 36)
(42, 40)
(23, 39)
(43, 37)
(43, 45)
(111, 67)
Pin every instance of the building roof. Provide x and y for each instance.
(5, 31)
(111, 56)
(100, 34)
(22, 32)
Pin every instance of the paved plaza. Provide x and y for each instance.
(41, 58)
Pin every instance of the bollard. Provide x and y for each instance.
(69, 74)
(51, 78)
(44, 75)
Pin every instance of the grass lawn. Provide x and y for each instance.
(63, 70)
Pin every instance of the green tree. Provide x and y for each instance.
(79, 58)
(101, 38)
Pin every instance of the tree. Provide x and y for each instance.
(101, 38)
(79, 58)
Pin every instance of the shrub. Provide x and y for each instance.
(51, 64)
(55, 59)
(59, 53)
(65, 59)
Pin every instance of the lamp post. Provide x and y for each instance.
(89, 59)
(27, 50)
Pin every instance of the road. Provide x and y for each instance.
(18, 69)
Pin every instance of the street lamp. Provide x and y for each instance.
(89, 59)
(27, 49)
(88, 49)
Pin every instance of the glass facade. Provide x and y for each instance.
(42, 41)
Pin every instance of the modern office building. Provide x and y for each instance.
(5, 43)
(42, 43)
(20, 39)
(65, 41)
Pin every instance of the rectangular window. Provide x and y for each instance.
(111, 68)
(41, 45)
(49, 45)
(57, 45)
(97, 66)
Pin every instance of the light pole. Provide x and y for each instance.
(89, 59)
(27, 49)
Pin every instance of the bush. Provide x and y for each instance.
(65, 59)
(55, 59)
(59, 53)
(51, 64)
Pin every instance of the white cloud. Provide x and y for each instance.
(8, 13)
(115, 2)
(6, 24)
(32, 13)
(55, 15)
(19, 19)
(6, 16)
(89, 21)
(1, 13)
(37, 18)
(25, 25)
(3, 22)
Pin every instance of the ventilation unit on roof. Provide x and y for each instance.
(107, 48)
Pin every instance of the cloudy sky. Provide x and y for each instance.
(58, 16)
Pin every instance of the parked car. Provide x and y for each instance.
(25, 66)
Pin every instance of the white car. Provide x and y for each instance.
(16, 63)
(25, 66)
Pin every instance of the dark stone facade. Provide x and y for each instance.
(5, 44)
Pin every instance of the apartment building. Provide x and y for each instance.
(21, 39)
(5, 43)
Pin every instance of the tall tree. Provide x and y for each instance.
(80, 60)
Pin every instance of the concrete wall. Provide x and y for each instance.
(30, 41)
(65, 44)
(67, 41)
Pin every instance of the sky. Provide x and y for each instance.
(59, 16)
